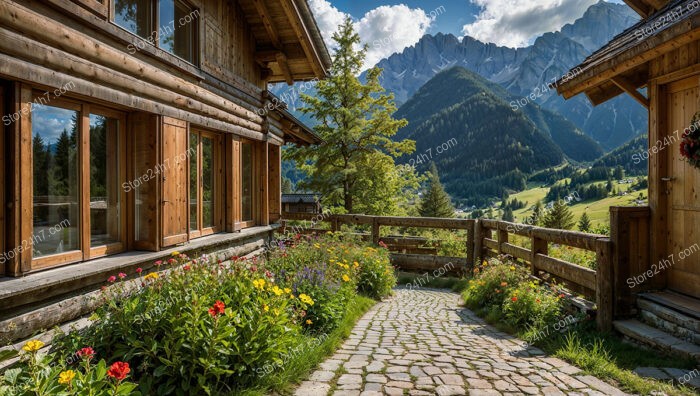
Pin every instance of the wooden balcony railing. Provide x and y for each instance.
(597, 285)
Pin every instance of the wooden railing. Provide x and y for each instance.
(405, 261)
(596, 285)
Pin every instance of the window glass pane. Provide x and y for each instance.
(105, 191)
(194, 142)
(135, 16)
(207, 182)
(55, 172)
(247, 181)
(176, 31)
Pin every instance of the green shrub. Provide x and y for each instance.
(200, 330)
(43, 374)
(531, 306)
(492, 281)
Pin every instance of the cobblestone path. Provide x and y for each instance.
(422, 342)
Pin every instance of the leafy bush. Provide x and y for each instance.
(43, 374)
(201, 329)
(504, 292)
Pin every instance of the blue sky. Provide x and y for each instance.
(389, 26)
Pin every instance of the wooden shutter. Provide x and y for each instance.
(174, 181)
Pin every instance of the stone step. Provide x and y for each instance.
(688, 306)
(657, 339)
(669, 320)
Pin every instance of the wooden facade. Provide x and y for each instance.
(662, 55)
(142, 125)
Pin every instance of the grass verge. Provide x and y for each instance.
(604, 356)
(299, 366)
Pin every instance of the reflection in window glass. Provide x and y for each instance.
(247, 181)
(194, 189)
(207, 182)
(134, 16)
(105, 216)
(55, 172)
(176, 30)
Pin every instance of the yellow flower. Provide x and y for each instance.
(266, 308)
(276, 312)
(152, 275)
(66, 377)
(291, 296)
(175, 253)
(308, 321)
(512, 268)
(356, 264)
(306, 299)
(317, 246)
(277, 291)
(346, 278)
(485, 263)
(259, 284)
(32, 346)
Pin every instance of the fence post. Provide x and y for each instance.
(478, 242)
(539, 246)
(502, 236)
(470, 248)
(334, 224)
(604, 285)
(375, 231)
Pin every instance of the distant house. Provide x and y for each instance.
(301, 203)
(660, 54)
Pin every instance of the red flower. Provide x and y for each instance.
(254, 268)
(514, 299)
(186, 267)
(562, 295)
(119, 370)
(268, 274)
(217, 309)
(170, 261)
(139, 270)
(122, 275)
(382, 244)
(86, 352)
(159, 263)
(112, 279)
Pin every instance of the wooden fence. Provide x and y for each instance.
(597, 285)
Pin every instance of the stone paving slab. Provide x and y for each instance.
(422, 342)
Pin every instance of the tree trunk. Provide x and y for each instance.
(348, 197)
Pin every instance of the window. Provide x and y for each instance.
(77, 169)
(206, 183)
(247, 177)
(168, 24)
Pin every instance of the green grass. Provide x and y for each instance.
(457, 285)
(604, 356)
(301, 364)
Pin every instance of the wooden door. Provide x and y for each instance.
(3, 259)
(174, 179)
(683, 188)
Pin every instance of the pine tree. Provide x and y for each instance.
(436, 202)
(508, 215)
(287, 186)
(536, 213)
(559, 216)
(354, 167)
(584, 224)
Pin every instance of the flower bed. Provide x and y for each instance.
(208, 327)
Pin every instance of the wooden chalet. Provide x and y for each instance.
(301, 203)
(656, 255)
(132, 128)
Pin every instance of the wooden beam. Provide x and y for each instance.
(280, 57)
(625, 85)
(284, 66)
(294, 16)
(640, 7)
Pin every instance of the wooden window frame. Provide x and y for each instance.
(121, 244)
(255, 205)
(3, 182)
(219, 186)
(99, 8)
(85, 251)
(155, 15)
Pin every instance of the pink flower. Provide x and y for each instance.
(139, 270)
(159, 263)
(112, 279)
(170, 261)
(268, 274)
(254, 268)
(122, 275)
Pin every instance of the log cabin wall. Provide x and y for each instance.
(676, 65)
(74, 48)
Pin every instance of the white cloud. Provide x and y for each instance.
(514, 23)
(385, 29)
